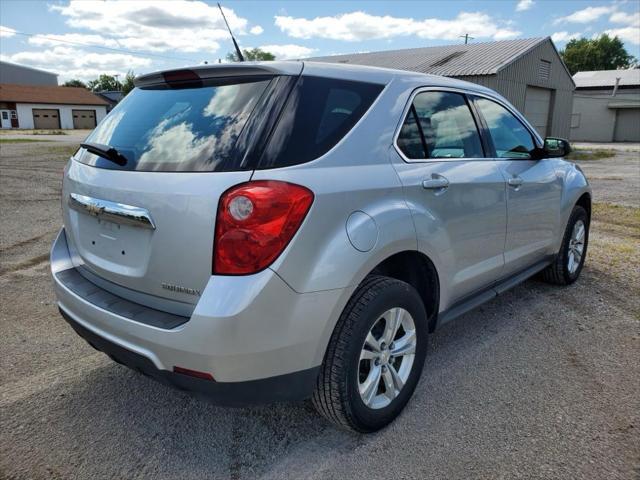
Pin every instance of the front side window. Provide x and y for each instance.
(440, 125)
(510, 137)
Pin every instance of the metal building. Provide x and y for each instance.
(21, 75)
(528, 72)
(606, 106)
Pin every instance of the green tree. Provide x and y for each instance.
(254, 54)
(104, 82)
(75, 83)
(601, 53)
(128, 85)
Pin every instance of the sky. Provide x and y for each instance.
(82, 39)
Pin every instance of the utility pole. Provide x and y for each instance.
(466, 38)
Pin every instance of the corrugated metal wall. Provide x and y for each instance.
(512, 82)
(11, 73)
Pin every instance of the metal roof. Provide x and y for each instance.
(11, 64)
(607, 78)
(449, 60)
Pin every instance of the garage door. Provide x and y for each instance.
(627, 125)
(46, 118)
(84, 118)
(536, 108)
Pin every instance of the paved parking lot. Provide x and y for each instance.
(542, 382)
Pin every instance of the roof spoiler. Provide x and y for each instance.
(220, 70)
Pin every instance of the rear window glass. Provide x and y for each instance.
(318, 114)
(186, 129)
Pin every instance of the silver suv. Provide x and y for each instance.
(278, 231)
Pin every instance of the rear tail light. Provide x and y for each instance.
(256, 221)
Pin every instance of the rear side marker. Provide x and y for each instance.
(193, 373)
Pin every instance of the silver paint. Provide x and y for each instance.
(463, 214)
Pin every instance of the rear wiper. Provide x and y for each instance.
(106, 151)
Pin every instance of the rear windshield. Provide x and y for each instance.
(177, 130)
(318, 114)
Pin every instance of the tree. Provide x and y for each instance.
(601, 53)
(254, 54)
(128, 85)
(75, 83)
(104, 82)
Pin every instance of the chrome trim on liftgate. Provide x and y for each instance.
(116, 212)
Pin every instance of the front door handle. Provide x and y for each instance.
(436, 182)
(515, 182)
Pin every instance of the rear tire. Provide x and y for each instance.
(568, 264)
(365, 382)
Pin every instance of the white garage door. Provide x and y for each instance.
(536, 108)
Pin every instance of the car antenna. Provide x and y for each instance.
(235, 44)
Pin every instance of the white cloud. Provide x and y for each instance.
(564, 36)
(159, 43)
(524, 5)
(626, 34)
(52, 40)
(289, 51)
(71, 62)
(586, 15)
(257, 30)
(6, 32)
(154, 26)
(632, 19)
(358, 26)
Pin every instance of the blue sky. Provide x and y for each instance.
(66, 36)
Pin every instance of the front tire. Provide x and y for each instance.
(375, 356)
(568, 264)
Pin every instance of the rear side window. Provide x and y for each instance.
(510, 137)
(176, 130)
(318, 114)
(440, 125)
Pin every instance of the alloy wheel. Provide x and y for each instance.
(386, 358)
(576, 246)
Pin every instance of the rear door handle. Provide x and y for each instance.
(515, 182)
(436, 182)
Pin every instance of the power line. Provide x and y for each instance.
(130, 52)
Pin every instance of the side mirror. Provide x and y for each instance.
(556, 147)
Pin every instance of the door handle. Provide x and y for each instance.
(515, 182)
(436, 182)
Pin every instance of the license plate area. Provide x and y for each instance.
(113, 247)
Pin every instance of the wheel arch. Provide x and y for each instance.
(416, 269)
(585, 202)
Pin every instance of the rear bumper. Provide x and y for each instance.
(260, 340)
(292, 386)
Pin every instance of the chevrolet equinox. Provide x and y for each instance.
(275, 231)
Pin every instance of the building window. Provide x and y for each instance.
(544, 70)
(14, 114)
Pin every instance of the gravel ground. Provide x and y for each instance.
(539, 383)
(69, 136)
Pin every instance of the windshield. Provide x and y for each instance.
(186, 129)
